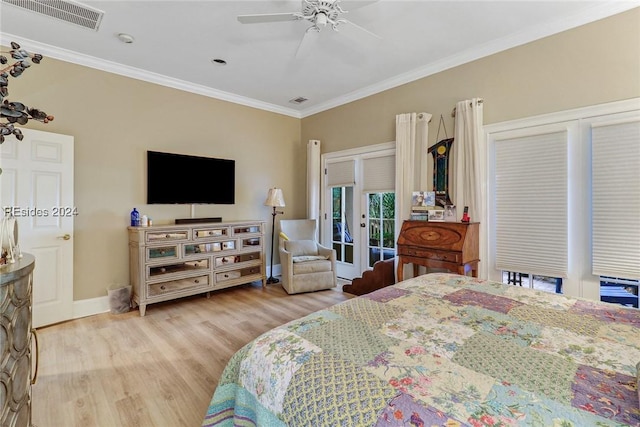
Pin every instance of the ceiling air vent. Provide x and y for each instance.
(63, 10)
(298, 100)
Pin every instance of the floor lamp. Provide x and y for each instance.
(275, 200)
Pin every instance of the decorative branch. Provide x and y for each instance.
(12, 113)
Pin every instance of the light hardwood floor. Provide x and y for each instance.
(158, 370)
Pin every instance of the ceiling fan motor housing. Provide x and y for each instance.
(329, 8)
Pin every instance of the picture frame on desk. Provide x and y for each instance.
(435, 215)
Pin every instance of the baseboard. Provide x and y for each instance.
(277, 270)
(91, 306)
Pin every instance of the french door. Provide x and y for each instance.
(359, 208)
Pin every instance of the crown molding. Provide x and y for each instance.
(139, 74)
(593, 14)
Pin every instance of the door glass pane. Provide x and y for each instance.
(342, 218)
(381, 227)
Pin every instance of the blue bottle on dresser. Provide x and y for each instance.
(135, 218)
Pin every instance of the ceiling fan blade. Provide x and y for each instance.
(350, 5)
(351, 24)
(268, 17)
(308, 40)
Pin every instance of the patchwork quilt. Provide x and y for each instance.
(440, 350)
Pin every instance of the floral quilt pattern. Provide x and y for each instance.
(440, 350)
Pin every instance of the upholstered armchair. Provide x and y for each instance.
(306, 265)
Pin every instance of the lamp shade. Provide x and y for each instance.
(275, 198)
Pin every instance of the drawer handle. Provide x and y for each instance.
(162, 252)
(195, 264)
(167, 236)
(197, 281)
(163, 287)
(225, 260)
(226, 275)
(250, 256)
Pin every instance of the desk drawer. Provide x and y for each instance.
(177, 285)
(431, 254)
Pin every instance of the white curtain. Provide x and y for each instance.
(313, 180)
(411, 165)
(464, 162)
(409, 149)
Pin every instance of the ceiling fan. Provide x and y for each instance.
(319, 13)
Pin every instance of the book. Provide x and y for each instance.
(419, 217)
(422, 208)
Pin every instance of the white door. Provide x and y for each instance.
(360, 207)
(344, 228)
(37, 188)
(378, 233)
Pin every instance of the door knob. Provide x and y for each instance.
(65, 237)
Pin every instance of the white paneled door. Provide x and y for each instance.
(37, 188)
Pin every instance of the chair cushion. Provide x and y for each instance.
(304, 258)
(311, 267)
(301, 247)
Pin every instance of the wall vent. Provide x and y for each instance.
(298, 100)
(63, 10)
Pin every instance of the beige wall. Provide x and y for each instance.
(592, 64)
(115, 120)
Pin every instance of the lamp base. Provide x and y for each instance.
(272, 279)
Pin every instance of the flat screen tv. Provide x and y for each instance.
(183, 179)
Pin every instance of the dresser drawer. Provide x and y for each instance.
(162, 252)
(177, 285)
(205, 248)
(236, 274)
(251, 242)
(430, 254)
(227, 275)
(202, 233)
(247, 229)
(160, 236)
(180, 267)
(235, 259)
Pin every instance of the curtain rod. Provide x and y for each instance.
(453, 112)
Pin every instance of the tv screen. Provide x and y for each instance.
(182, 179)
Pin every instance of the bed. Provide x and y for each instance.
(440, 350)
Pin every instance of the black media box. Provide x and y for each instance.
(197, 220)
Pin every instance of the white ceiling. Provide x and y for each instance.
(175, 42)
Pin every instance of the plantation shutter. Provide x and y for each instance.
(531, 204)
(616, 199)
(341, 174)
(379, 174)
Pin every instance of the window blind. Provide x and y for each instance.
(341, 174)
(531, 204)
(379, 174)
(616, 199)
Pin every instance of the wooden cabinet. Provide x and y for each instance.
(453, 246)
(173, 261)
(15, 342)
